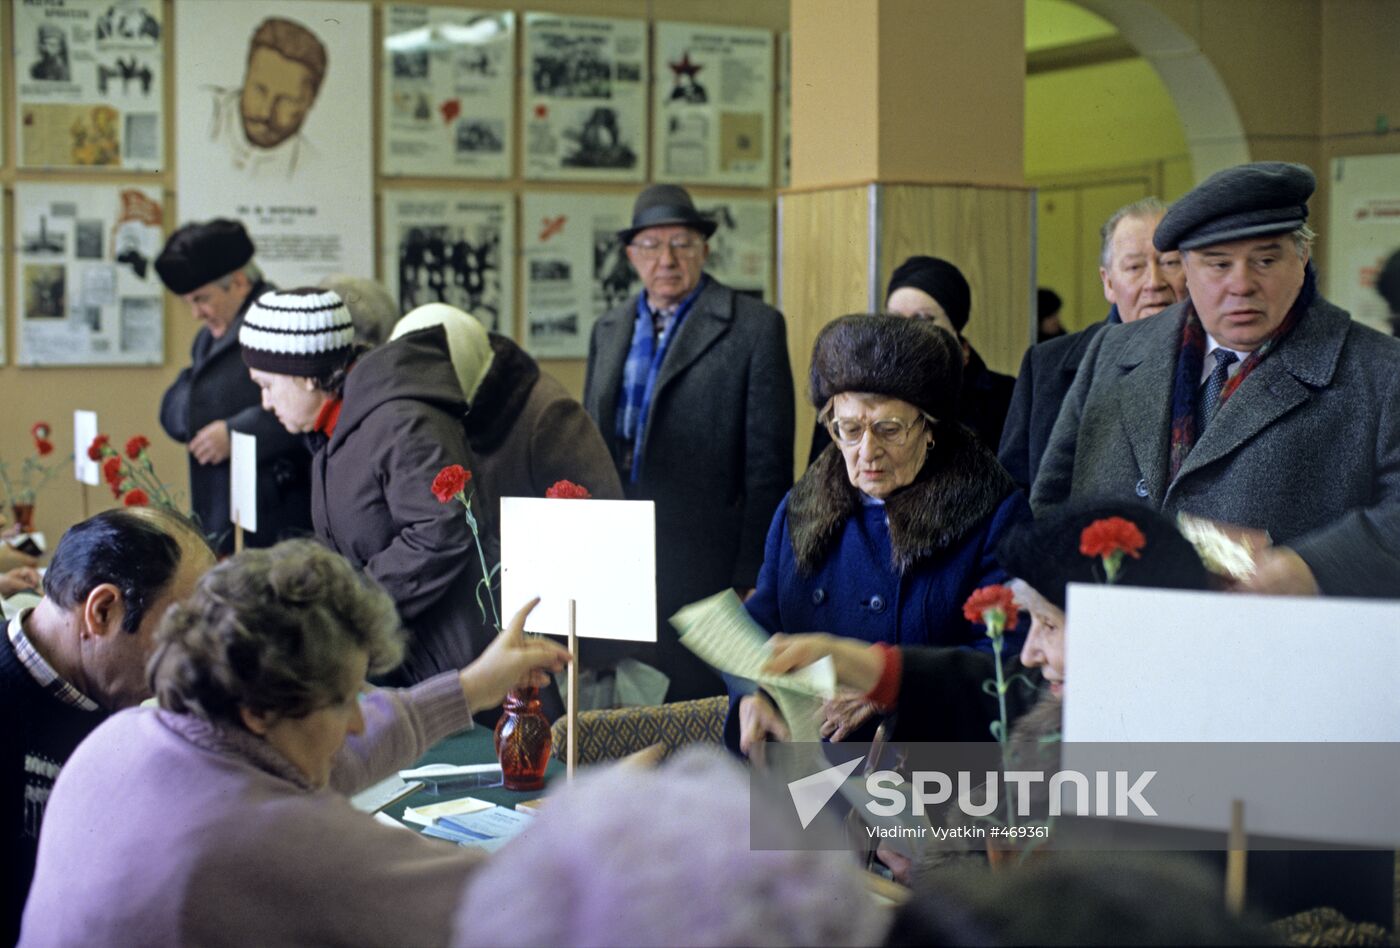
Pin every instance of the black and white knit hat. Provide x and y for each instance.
(305, 332)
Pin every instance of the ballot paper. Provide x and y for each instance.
(426, 815)
(488, 829)
(383, 794)
(720, 631)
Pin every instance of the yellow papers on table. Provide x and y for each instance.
(425, 815)
(720, 630)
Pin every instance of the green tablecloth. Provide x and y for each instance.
(470, 747)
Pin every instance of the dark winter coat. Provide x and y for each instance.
(897, 573)
(1307, 448)
(372, 500)
(527, 433)
(216, 386)
(1047, 372)
(716, 454)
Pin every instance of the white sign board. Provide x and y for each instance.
(600, 553)
(1188, 677)
(243, 481)
(85, 469)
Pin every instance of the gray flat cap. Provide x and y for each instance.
(1253, 200)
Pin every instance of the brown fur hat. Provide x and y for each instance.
(909, 359)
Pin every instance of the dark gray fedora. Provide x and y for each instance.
(663, 204)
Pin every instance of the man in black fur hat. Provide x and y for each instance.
(210, 267)
(1253, 402)
(690, 384)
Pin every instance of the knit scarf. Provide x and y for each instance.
(1191, 358)
(639, 372)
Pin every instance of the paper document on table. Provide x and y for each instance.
(720, 630)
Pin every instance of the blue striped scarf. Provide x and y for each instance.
(639, 372)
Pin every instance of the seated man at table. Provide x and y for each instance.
(79, 655)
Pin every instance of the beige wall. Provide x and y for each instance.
(127, 399)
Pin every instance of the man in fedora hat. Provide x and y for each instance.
(1253, 402)
(690, 384)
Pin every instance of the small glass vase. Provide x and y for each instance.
(24, 516)
(523, 740)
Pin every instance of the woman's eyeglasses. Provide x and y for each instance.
(891, 432)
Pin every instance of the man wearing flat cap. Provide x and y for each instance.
(210, 267)
(1253, 402)
(690, 384)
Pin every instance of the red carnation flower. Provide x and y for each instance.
(450, 482)
(992, 604)
(1112, 535)
(98, 447)
(136, 497)
(40, 430)
(112, 470)
(136, 445)
(568, 490)
(45, 448)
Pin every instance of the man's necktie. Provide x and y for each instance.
(1210, 402)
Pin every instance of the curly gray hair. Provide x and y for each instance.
(269, 631)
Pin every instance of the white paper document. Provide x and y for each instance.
(243, 481)
(720, 630)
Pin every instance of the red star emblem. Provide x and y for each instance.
(685, 67)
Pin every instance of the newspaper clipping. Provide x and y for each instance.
(272, 127)
(575, 268)
(452, 247)
(448, 77)
(714, 105)
(784, 109)
(89, 82)
(585, 98)
(89, 293)
(741, 249)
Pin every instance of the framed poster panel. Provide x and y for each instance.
(89, 84)
(455, 247)
(713, 104)
(87, 289)
(447, 103)
(585, 98)
(1363, 231)
(273, 128)
(575, 267)
(741, 248)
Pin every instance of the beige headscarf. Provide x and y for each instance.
(467, 341)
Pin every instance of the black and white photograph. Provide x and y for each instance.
(88, 239)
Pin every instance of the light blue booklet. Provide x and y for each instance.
(485, 829)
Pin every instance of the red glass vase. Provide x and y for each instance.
(24, 517)
(523, 740)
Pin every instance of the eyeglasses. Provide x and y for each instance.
(682, 247)
(891, 432)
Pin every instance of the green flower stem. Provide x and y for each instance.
(481, 555)
(1003, 738)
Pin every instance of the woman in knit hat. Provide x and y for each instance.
(381, 423)
(933, 289)
(893, 526)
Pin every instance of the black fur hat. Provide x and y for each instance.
(909, 359)
(1045, 553)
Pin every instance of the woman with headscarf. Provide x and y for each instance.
(894, 525)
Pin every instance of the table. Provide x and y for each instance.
(476, 746)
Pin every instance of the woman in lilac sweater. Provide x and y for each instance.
(222, 818)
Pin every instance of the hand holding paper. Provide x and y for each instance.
(719, 630)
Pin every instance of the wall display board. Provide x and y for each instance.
(585, 98)
(1363, 230)
(88, 293)
(448, 92)
(89, 83)
(575, 267)
(741, 248)
(455, 247)
(273, 128)
(713, 105)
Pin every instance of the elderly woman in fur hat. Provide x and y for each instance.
(894, 525)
